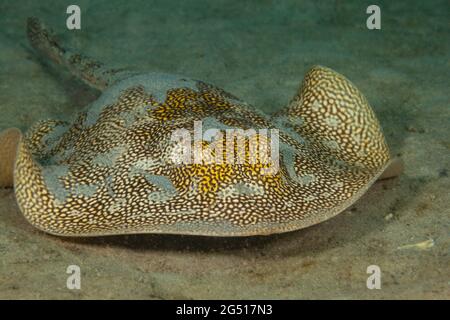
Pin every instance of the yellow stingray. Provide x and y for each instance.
(110, 169)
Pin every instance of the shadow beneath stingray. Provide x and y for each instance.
(188, 243)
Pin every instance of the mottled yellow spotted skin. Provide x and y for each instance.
(337, 114)
(212, 177)
(180, 101)
(109, 174)
(108, 170)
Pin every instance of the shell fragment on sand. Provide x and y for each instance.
(424, 245)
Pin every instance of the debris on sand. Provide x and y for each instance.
(424, 245)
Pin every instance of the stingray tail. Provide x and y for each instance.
(330, 112)
(87, 69)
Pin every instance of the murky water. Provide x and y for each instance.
(259, 51)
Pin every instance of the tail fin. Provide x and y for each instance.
(331, 112)
(89, 70)
(44, 41)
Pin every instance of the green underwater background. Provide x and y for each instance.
(258, 50)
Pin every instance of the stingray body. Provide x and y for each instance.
(109, 170)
